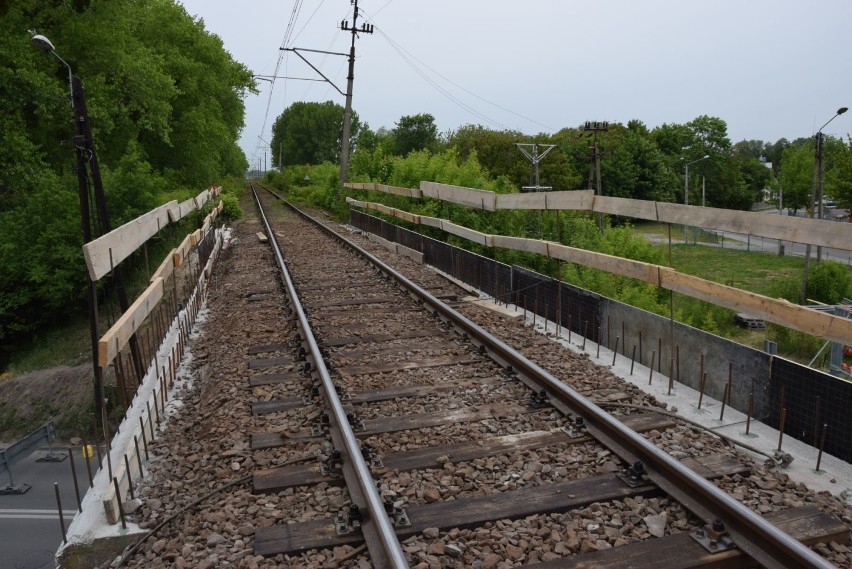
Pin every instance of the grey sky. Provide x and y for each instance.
(769, 68)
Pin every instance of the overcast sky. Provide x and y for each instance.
(768, 68)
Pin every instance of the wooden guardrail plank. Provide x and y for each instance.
(117, 337)
(786, 228)
(107, 251)
(782, 312)
(457, 194)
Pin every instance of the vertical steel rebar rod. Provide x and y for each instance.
(129, 477)
(120, 505)
(74, 478)
(61, 515)
(781, 421)
(821, 445)
(750, 408)
(651, 369)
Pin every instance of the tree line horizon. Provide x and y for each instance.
(636, 162)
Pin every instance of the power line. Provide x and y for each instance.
(294, 15)
(437, 87)
(398, 48)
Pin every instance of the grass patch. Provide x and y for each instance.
(661, 230)
(65, 344)
(748, 270)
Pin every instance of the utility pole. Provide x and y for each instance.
(532, 154)
(816, 194)
(595, 167)
(347, 113)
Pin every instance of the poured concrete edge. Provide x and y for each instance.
(92, 537)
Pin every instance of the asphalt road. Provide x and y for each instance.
(30, 531)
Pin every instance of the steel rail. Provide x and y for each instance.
(759, 539)
(359, 479)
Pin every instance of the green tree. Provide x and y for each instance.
(829, 282)
(773, 152)
(633, 167)
(310, 133)
(795, 176)
(416, 132)
(165, 103)
(839, 178)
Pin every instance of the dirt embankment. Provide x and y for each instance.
(64, 394)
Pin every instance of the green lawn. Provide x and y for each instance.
(748, 270)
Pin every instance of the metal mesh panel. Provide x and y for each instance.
(812, 399)
(410, 239)
(388, 231)
(573, 308)
(579, 311)
(468, 267)
(438, 254)
(365, 222)
(534, 292)
(205, 247)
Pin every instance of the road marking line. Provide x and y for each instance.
(36, 512)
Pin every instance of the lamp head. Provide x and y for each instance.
(842, 110)
(42, 43)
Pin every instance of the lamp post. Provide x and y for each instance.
(816, 200)
(87, 168)
(686, 191)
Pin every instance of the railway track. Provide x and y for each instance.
(381, 427)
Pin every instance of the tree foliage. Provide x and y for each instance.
(165, 103)
(795, 175)
(310, 133)
(412, 133)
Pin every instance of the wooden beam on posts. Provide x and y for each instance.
(118, 336)
(124, 240)
(782, 312)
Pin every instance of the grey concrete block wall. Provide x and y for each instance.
(681, 347)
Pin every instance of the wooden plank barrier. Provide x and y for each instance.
(166, 268)
(181, 250)
(202, 199)
(107, 251)
(561, 200)
(786, 228)
(117, 337)
(781, 312)
(395, 190)
(181, 210)
(472, 197)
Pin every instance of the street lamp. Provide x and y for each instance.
(686, 191)
(816, 200)
(87, 168)
(45, 44)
